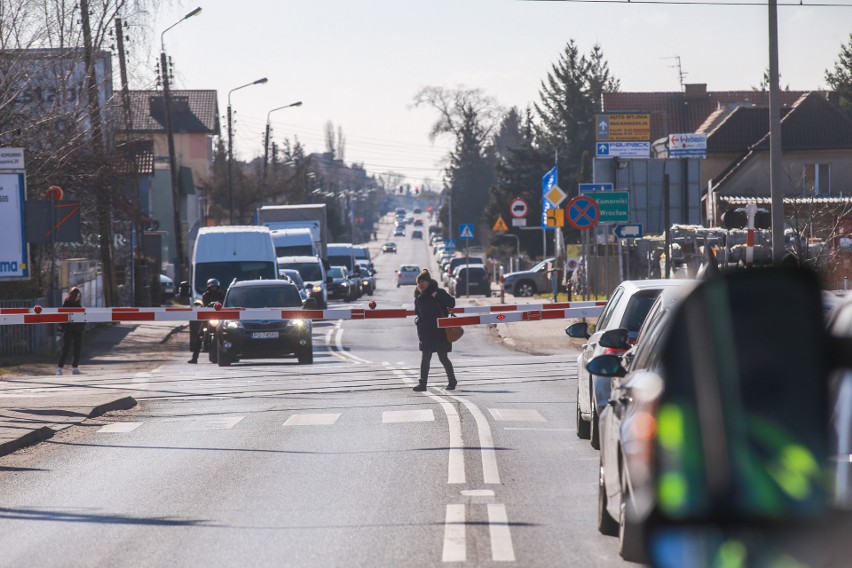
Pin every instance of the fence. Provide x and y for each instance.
(18, 340)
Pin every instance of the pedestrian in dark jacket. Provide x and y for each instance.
(72, 334)
(431, 303)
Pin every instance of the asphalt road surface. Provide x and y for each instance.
(271, 463)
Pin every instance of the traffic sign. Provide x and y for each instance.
(590, 187)
(623, 127)
(572, 263)
(449, 244)
(519, 208)
(583, 212)
(614, 206)
(629, 231)
(623, 149)
(556, 217)
(500, 225)
(519, 222)
(556, 196)
(466, 231)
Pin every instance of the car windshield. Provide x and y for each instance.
(263, 297)
(310, 271)
(227, 272)
(294, 276)
(341, 260)
(336, 272)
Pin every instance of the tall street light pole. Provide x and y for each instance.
(266, 138)
(231, 148)
(170, 137)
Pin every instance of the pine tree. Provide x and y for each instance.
(841, 78)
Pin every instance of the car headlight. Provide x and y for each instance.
(233, 324)
(297, 323)
(317, 289)
(213, 323)
(365, 283)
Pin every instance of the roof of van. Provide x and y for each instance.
(234, 229)
(292, 231)
(340, 244)
(289, 259)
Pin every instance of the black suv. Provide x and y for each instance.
(250, 339)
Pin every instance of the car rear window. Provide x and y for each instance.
(637, 309)
(310, 271)
(264, 297)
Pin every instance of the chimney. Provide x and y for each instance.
(695, 90)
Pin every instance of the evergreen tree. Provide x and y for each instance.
(841, 78)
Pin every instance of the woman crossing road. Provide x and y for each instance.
(431, 303)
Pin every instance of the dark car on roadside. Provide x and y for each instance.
(416, 234)
(470, 280)
(236, 340)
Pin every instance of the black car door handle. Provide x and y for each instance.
(625, 399)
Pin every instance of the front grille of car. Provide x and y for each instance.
(264, 325)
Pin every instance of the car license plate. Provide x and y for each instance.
(264, 335)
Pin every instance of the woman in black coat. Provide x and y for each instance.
(431, 303)
(72, 334)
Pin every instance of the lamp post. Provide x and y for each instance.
(167, 108)
(231, 149)
(266, 139)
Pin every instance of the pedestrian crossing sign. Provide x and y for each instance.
(466, 231)
(500, 225)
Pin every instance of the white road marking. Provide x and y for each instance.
(478, 493)
(490, 473)
(543, 429)
(455, 463)
(312, 420)
(501, 538)
(516, 415)
(119, 427)
(395, 416)
(455, 534)
(224, 422)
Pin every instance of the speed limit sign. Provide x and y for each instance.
(519, 208)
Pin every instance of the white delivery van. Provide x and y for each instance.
(294, 242)
(232, 253)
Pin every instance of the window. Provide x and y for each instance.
(817, 179)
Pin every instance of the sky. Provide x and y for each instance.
(359, 63)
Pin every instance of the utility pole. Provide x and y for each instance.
(173, 169)
(776, 190)
(101, 190)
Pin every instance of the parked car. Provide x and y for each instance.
(407, 274)
(626, 309)
(367, 278)
(418, 210)
(454, 263)
(167, 289)
(470, 280)
(342, 286)
(527, 283)
(417, 234)
(250, 339)
(295, 277)
(625, 433)
(389, 247)
(314, 275)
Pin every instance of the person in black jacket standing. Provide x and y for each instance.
(72, 334)
(431, 303)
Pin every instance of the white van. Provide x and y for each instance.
(341, 254)
(233, 252)
(294, 242)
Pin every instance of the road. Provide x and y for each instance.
(269, 463)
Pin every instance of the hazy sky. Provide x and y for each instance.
(358, 63)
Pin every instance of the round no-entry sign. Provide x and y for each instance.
(583, 212)
(518, 208)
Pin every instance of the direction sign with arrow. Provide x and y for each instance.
(629, 231)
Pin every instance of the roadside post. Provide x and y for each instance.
(466, 233)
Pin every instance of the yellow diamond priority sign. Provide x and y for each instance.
(555, 195)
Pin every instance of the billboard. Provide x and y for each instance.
(14, 254)
(623, 127)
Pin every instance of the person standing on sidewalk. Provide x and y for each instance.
(72, 334)
(431, 303)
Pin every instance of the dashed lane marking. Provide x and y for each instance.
(516, 415)
(455, 534)
(396, 416)
(119, 427)
(502, 549)
(312, 420)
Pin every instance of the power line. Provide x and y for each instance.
(725, 3)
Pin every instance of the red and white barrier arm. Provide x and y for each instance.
(532, 315)
(525, 307)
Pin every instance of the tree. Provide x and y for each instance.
(569, 98)
(840, 79)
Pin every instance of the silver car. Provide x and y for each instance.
(530, 282)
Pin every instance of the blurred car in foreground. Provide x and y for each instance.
(407, 274)
(627, 307)
(245, 339)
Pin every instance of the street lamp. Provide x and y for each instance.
(266, 137)
(170, 137)
(231, 149)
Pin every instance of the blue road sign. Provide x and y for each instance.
(602, 148)
(582, 212)
(590, 187)
(629, 231)
(450, 244)
(466, 231)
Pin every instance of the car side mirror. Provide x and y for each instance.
(578, 330)
(615, 339)
(606, 366)
(184, 290)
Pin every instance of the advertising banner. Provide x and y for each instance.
(14, 254)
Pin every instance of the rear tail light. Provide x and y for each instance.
(613, 351)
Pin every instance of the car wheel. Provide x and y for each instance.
(630, 545)
(214, 353)
(595, 435)
(525, 289)
(582, 425)
(224, 361)
(606, 524)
